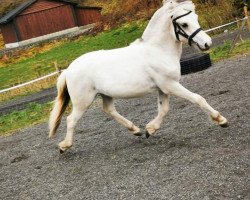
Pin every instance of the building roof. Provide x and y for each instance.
(6, 18)
(13, 13)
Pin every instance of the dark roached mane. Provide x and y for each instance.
(180, 1)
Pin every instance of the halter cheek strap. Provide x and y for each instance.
(179, 30)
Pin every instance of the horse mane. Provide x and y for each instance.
(185, 4)
(180, 1)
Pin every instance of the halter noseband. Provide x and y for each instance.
(179, 31)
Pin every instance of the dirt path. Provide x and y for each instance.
(189, 158)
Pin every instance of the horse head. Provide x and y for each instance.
(186, 26)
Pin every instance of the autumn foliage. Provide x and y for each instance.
(116, 12)
(211, 12)
(119, 11)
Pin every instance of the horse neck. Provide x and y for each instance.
(160, 32)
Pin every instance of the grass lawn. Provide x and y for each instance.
(34, 114)
(221, 52)
(43, 63)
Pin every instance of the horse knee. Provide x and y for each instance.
(199, 100)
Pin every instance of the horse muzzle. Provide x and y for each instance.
(203, 41)
(203, 48)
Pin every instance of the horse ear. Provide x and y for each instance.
(180, 1)
(171, 1)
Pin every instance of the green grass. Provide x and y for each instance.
(36, 113)
(33, 114)
(222, 52)
(41, 64)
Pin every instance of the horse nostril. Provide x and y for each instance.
(206, 46)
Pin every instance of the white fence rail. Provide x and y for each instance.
(55, 73)
(30, 82)
(222, 26)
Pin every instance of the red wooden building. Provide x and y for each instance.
(42, 19)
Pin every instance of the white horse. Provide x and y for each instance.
(151, 63)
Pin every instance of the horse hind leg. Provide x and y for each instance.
(80, 105)
(163, 108)
(109, 108)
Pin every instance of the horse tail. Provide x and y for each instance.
(61, 103)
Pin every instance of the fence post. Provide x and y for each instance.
(246, 14)
(247, 20)
(58, 69)
(237, 36)
(239, 25)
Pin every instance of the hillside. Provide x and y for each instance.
(115, 12)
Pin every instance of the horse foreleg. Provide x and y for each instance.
(109, 108)
(163, 108)
(177, 89)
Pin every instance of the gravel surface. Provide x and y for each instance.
(189, 158)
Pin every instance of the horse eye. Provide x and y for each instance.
(184, 25)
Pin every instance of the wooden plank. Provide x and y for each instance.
(42, 5)
(87, 16)
(17, 31)
(9, 34)
(74, 15)
(246, 15)
(45, 22)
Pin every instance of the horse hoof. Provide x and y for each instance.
(147, 135)
(138, 134)
(61, 151)
(224, 125)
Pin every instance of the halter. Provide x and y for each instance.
(179, 31)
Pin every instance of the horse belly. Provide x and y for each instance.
(126, 88)
(119, 73)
